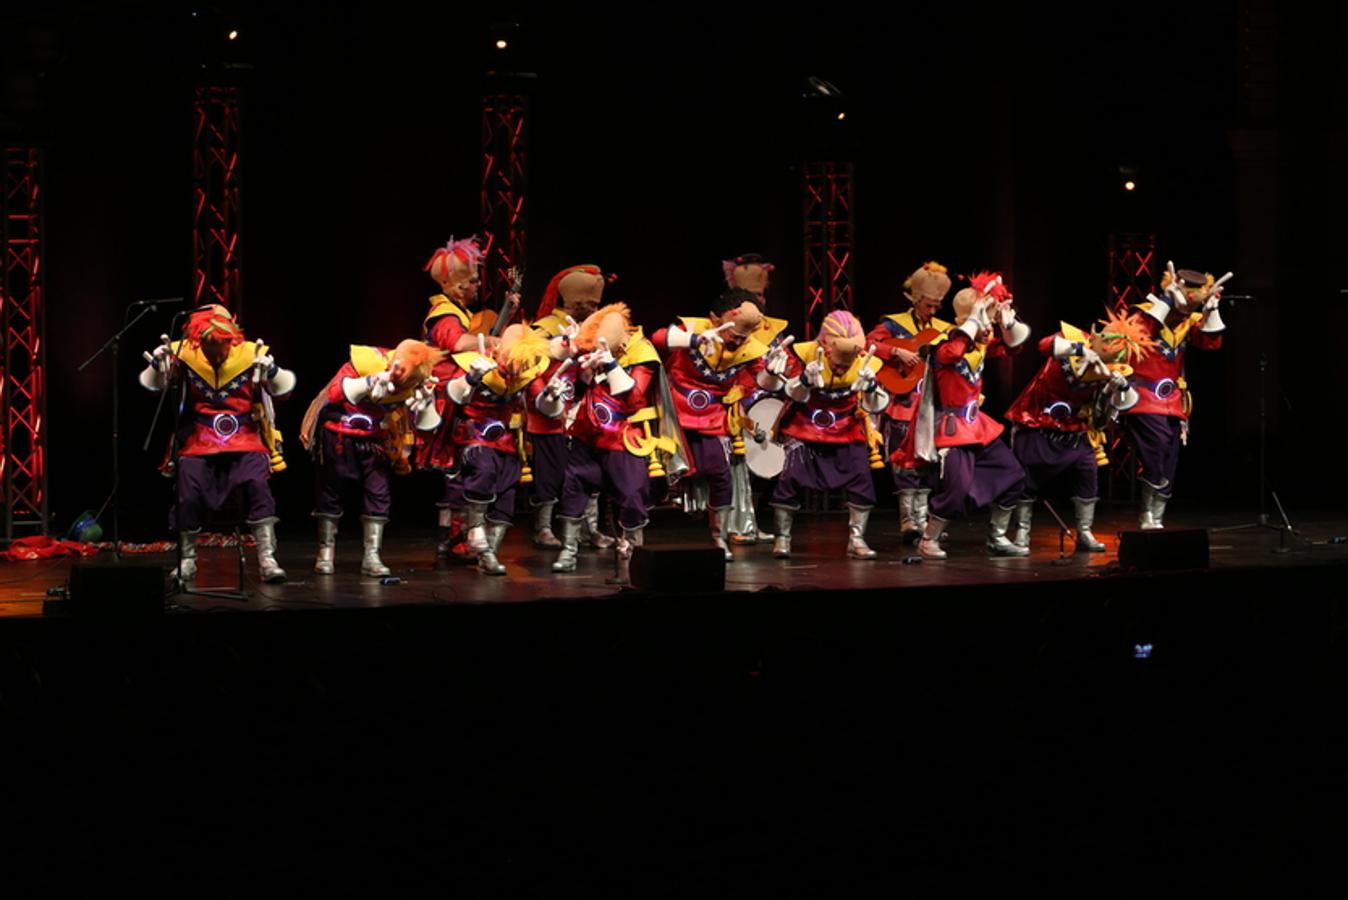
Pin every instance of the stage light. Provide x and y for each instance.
(501, 44)
(1130, 185)
(1142, 651)
(233, 35)
(841, 116)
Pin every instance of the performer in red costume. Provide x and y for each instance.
(360, 430)
(619, 433)
(223, 441)
(491, 395)
(826, 430)
(976, 469)
(455, 267)
(752, 273)
(1058, 421)
(571, 296)
(713, 364)
(1185, 315)
(925, 289)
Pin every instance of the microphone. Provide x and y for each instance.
(164, 302)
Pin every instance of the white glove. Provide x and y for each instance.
(980, 315)
(1175, 296)
(479, 368)
(162, 357)
(156, 374)
(600, 358)
(1117, 381)
(556, 388)
(1005, 314)
(776, 362)
(710, 341)
(421, 405)
(381, 386)
(814, 374)
(263, 362)
(423, 396)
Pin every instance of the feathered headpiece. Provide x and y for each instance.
(213, 323)
(455, 261)
(1124, 332)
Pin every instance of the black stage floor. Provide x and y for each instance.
(818, 563)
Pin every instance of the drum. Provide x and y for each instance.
(764, 458)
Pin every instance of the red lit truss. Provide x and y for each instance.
(24, 323)
(216, 197)
(504, 182)
(827, 218)
(1132, 268)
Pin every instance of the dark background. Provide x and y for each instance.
(661, 145)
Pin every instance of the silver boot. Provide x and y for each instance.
(327, 544)
(1024, 516)
(445, 542)
(857, 548)
(486, 560)
(544, 539)
(1086, 542)
(187, 551)
(921, 509)
(929, 546)
(625, 547)
(370, 563)
(1158, 509)
(717, 519)
(1148, 519)
(598, 540)
(265, 534)
(743, 517)
(909, 528)
(570, 539)
(781, 544)
(999, 520)
(476, 522)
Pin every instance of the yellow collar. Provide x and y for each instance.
(638, 350)
(909, 321)
(808, 352)
(240, 357)
(769, 328)
(751, 349)
(444, 306)
(369, 361)
(552, 324)
(494, 381)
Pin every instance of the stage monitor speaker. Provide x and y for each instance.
(678, 569)
(1163, 551)
(116, 590)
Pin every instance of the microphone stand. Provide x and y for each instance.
(1262, 518)
(113, 346)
